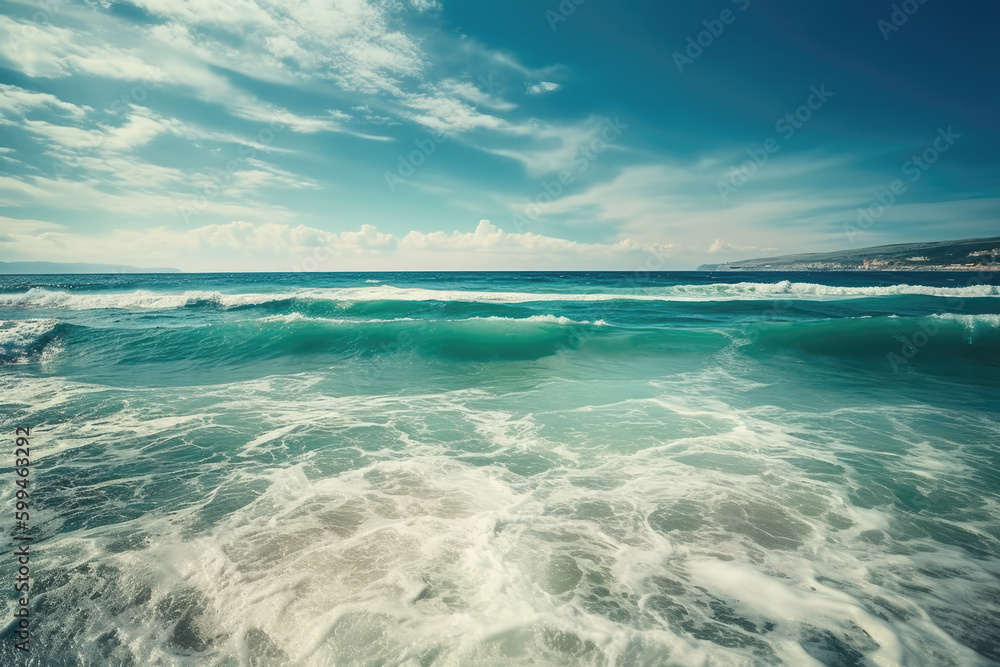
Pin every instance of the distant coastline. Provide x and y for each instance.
(963, 255)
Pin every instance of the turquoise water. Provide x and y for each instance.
(494, 469)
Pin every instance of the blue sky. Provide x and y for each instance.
(428, 134)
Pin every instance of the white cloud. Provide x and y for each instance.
(132, 194)
(140, 127)
(47, 51)
(248, 108)
(275, 246)
(728, 248)
(205, 49)
(425, 5)
(27, 226)
(651, 200)
(546, 148)
(543, 87)
(260, 174)
(359, 44)
(807, 204)
(18, 101)
(448, 114)
(350, 41)
(96, 169)
(475, 95)
(167, 57)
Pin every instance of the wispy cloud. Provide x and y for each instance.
(720, 246)
(56, 52)
(18, 101)
(286, 112)
(96, 166)
(801, 209)
(543, 87)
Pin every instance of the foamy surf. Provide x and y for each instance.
(24, 341)
(294, 470)
(149, 300)
(24, 332)
(531, 319)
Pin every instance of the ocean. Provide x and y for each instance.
(505, 468)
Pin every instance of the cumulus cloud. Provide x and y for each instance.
(243, 245)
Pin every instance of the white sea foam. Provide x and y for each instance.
(138, 300)
(289, 318)
(18, 336)
(543, 319)
(973, 322)
(19, 333)
(714, 292)
(808, 599)
(148, 300)
(532, 319)
(807, 290)
(479, 527)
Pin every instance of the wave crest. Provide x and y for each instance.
(149, 300)
(22, 340)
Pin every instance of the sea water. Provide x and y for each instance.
(506, 468)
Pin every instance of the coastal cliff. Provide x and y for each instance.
(963, 255)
